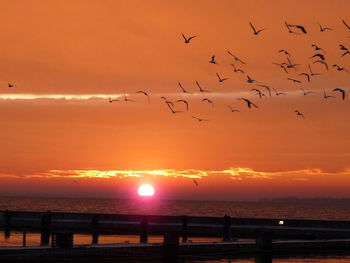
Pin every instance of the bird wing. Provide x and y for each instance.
(252, 27)
(191, 38)
(184, 36)
(348, 27)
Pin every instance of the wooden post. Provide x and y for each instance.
(264, 241)
(227, 229)
(45, 228)
(24, 239)
(94, 224)
(263, 258)
(7, 219)
(171, 247)
(144, 230)
(184, 229)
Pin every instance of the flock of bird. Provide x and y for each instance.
(263, 90)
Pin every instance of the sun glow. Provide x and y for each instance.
(146, 190)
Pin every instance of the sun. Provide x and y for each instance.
(146, 190)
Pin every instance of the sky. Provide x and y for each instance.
(60, 136)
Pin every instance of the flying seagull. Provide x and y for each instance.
(168, 102)
(342, 92)
(279, 93)
(187, 40)
(345, 53)
(266, 87)
(250, 80)
(325, 96)
(322, 29)
(317, 48)
(233, 110)
(281, 65)
(300, 114)
(235, 57)
(258, 92)
(306, 75)
(321, 62)
(10, 85)
(209, 101)
(284, 52)
(212, 61)
(299, 27)
(195, 182)
(111, 100)
(172, 110)
(311, 73)
(294, 80)
(347, 26)
(221, 79)
(237, 69)
(184, 101)
(183, 90)
(339, 68)
(256, 32)
(289, 29)
(200, 88)
(342, 47)
(199, 119)
(144, 93)
(249, 103)
(306, 92)
(127, 99)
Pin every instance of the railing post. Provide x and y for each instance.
(144, 230)
(24, 238)
(7, 219)
(94, 224)
(264, 241)
(45, 228)
(184, 228)
(171, 247)
(227, 229)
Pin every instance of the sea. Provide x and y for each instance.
(285, 208)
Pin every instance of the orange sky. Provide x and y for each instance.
(54, 52)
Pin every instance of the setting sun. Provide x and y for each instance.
(146, 190)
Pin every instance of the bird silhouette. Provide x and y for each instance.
(126, 99)
(322, 29)
(312, 73)
(249, 103)
(235, 57)
(294, 80)
(339, 68)
(325, 96)
(258, 92)
(281, 65)
(347, 26)
(144, 93)
(284, 52)
(221, 79)
(306, 75)
(184, 101)
(195, 182)
(267, 88)
(321, 62)
(10, 85)
(306, 92)
(341, 91)
(111, 100)
(212, 61)
(289, 29)
(250, 80)
(300, 114)
(321, 56)
(277, 93)
(233, 110)
(299, 27)
(209, 101)
(168, 102)
(256, 32)
(183, 90)
(200, 88)
(236, 69)
(187, 40)
(199, 119)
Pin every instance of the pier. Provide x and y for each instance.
(265, 236)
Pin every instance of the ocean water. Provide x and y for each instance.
(282, 209)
